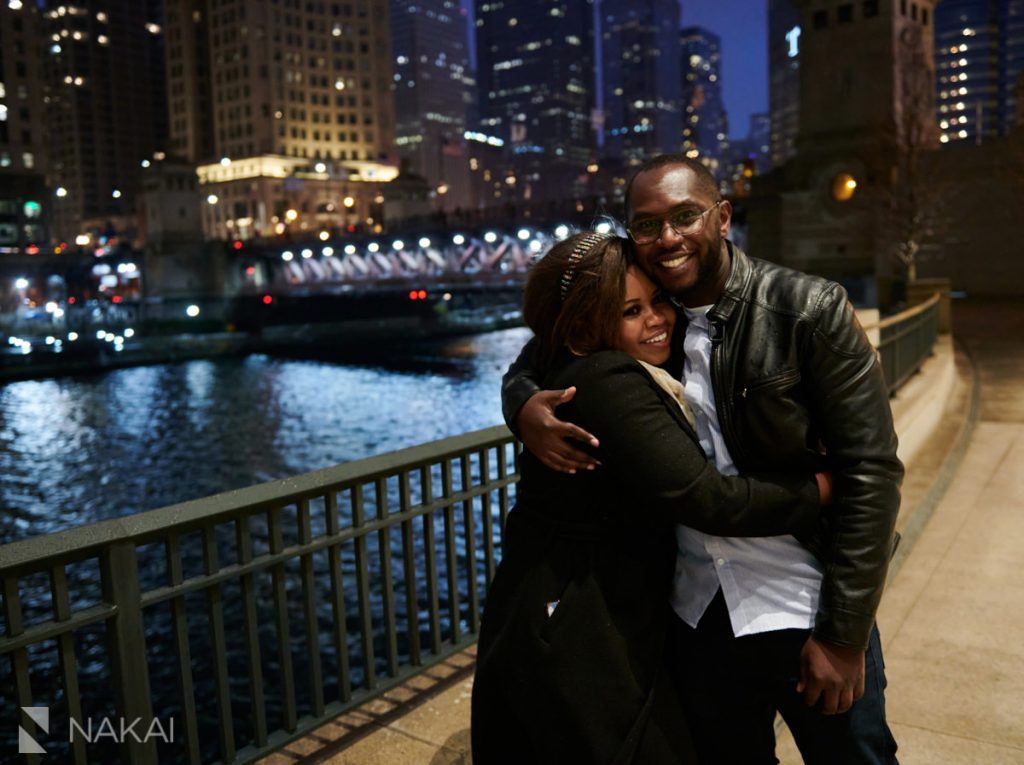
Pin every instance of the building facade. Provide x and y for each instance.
(24, 204)
(535, 68)
(286, 109)
(642, 86)
(979, 58)
(105, 112)
(843, 205)
(705, 124)
(433, 94)
(784, 33)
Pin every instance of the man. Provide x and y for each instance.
(780, 375)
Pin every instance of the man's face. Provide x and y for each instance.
(691, 267)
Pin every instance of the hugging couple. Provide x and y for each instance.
(706, 508)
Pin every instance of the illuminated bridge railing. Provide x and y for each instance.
(906, 339)
(248, 618)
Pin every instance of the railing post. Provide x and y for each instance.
(126, 642)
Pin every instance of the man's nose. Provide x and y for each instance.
(668, 235)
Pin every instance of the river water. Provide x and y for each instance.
(78, 450)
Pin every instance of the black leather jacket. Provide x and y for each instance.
(798, 386)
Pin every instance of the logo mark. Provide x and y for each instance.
(41, 717)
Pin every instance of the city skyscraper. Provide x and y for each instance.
(105, 110)
(432, 95)
(286, 108)
(535, 68)
(784, 33)
(979, 58)
(705, 126)
(641, 66)
(22, 143)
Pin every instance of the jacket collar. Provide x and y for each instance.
(735, 286)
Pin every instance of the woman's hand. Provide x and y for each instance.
(824, 487)
(548, 438)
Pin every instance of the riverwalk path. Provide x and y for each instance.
(951, 618)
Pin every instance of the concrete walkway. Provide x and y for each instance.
(951, 620)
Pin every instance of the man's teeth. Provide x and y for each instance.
(657, 338)
(675, 262)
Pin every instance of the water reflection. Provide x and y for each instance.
(75, 451)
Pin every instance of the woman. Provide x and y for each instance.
(569, 662)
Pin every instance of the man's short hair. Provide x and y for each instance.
(705, 180)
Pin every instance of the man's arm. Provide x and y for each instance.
(850, 405)
(530, 413)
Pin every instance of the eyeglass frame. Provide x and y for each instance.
(665, 219)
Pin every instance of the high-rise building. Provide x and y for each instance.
(24, 205)
(784, 32)
(642, 86)
(432, 95)
(979, 57)
(105, 110)
(286, 108)
(705, 126)
(535, 68)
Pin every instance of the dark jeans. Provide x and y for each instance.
(732, 687)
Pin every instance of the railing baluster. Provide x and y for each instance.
(501, 451)
(250, 624)
(284, 640)
(451, 561)
(485, 506)
(412, 604)
(338, 611)
(469, 526)
(126, 645)
(66, 649)
(387, 578)
(19, 657)
(179, 621)
(215, 609)
(363, 584)
(430, 550)
(316, 683)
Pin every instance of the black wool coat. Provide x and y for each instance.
(570, 657)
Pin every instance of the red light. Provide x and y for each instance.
(413, 295)
(268, 299)
(422, 295)
(32, 249)
(116, 299)
(251, 270)
(350, 228)
(71, 301)
(237, 245)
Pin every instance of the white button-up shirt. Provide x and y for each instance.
(769, 583)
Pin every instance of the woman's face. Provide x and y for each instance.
(645, 331)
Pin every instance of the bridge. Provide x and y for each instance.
(255, 617)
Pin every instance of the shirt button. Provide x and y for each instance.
(720, 561)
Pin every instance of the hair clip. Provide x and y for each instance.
(589, 240)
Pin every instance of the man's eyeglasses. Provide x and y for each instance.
(684, 221)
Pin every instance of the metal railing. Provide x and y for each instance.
(906, 339)
(253, 616)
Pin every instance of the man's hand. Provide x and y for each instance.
(546, 436)
(833, 673)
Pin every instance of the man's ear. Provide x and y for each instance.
(724, 218)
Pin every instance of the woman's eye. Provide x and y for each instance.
(631, 311)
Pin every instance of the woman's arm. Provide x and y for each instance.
(644, 445)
